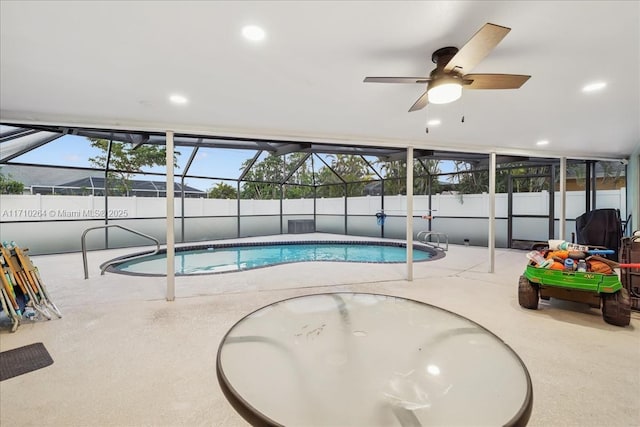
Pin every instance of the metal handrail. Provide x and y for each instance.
(422, 237)
(104, 266)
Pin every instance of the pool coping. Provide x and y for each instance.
(436, 253)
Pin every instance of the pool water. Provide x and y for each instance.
(235, 258)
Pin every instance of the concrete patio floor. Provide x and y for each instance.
(123, 356)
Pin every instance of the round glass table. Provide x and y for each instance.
(357, 359)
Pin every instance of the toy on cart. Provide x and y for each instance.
(576, 273)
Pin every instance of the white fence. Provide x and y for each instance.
(50, 224)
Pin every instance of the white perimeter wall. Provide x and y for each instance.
(49, 224)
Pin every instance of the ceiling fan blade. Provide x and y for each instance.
(494, 81)
(420, 103)
(397, 79)
(479, 46)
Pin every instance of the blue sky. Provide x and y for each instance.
(74, 150)
(71, 150)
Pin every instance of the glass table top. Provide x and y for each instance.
(356, 359)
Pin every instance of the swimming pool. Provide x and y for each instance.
(221, 258)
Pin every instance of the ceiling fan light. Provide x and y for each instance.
(444, 93)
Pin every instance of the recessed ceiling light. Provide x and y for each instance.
(433, 370)
(253, 33)
(593, 87)
(542, 142)
(434, 122)
(178, 99)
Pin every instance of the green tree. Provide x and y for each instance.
(395, 174)
(126, 161)
(300, 183)
(223, 191)
(422, 177)
(609, 171)
(529, 184)
(351, 169)
(472, 179)
(263, 179)
(10, 186)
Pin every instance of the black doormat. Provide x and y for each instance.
(23, 359)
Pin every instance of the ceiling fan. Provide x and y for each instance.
(446, 81)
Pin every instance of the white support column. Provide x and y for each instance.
(171, 273)
(410, 214)
(562, 232)
(492, 212)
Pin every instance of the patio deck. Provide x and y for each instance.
(124, 356)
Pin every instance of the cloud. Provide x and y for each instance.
(72, 158)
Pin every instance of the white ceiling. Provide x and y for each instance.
(114, 64)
